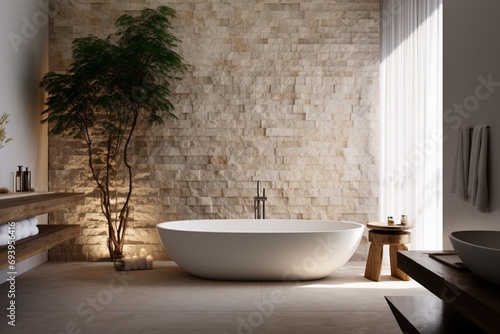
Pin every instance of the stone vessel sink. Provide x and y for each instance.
(479, 250)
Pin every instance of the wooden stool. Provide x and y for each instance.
(396, 239)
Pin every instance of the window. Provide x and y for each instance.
(411, 117)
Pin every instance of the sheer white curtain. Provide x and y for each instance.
(411, 117)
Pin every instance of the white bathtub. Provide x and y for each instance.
(269, 249)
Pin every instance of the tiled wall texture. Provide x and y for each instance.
(281, 91)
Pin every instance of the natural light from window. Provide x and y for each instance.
(411, 117)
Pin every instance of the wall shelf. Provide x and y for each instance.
(18, 206)
(48, 237)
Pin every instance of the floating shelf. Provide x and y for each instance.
(18, 206)
(472, 297)
(48, 237)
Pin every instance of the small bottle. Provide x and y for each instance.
(19, 179)
(26, 180)
(390, 220)
(404, 220)
(12, 182)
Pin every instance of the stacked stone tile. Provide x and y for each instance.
(285, 92)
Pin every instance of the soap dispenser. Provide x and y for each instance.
(26, 180)
(19, 179)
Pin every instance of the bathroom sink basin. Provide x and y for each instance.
(480, 252)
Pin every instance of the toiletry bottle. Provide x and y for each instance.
(404, 220)
(12, 182)
(390, 220)
(26, 180)
(19, 179)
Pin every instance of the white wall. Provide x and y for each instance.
(471, 52)
(23, 61)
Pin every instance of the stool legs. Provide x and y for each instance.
(374, 262)
(395, 271)
(396, 241)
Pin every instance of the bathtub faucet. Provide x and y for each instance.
(259, 203)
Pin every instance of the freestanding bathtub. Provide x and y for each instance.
(266, 249)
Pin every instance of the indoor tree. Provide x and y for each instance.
(112, 87)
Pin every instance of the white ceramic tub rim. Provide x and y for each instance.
(248, 225)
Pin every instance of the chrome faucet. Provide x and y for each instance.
(259, 203)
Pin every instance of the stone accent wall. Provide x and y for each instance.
(285, 92)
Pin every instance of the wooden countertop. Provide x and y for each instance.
(475, 298)
(18, 206)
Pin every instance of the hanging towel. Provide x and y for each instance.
(478, 168)
(460, 177)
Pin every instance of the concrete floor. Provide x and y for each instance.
(84, 297)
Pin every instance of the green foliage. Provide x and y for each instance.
(113, 85)
(129, 71)
(4, 119)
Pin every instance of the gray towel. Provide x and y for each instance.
(460, 178)
(478, 168)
